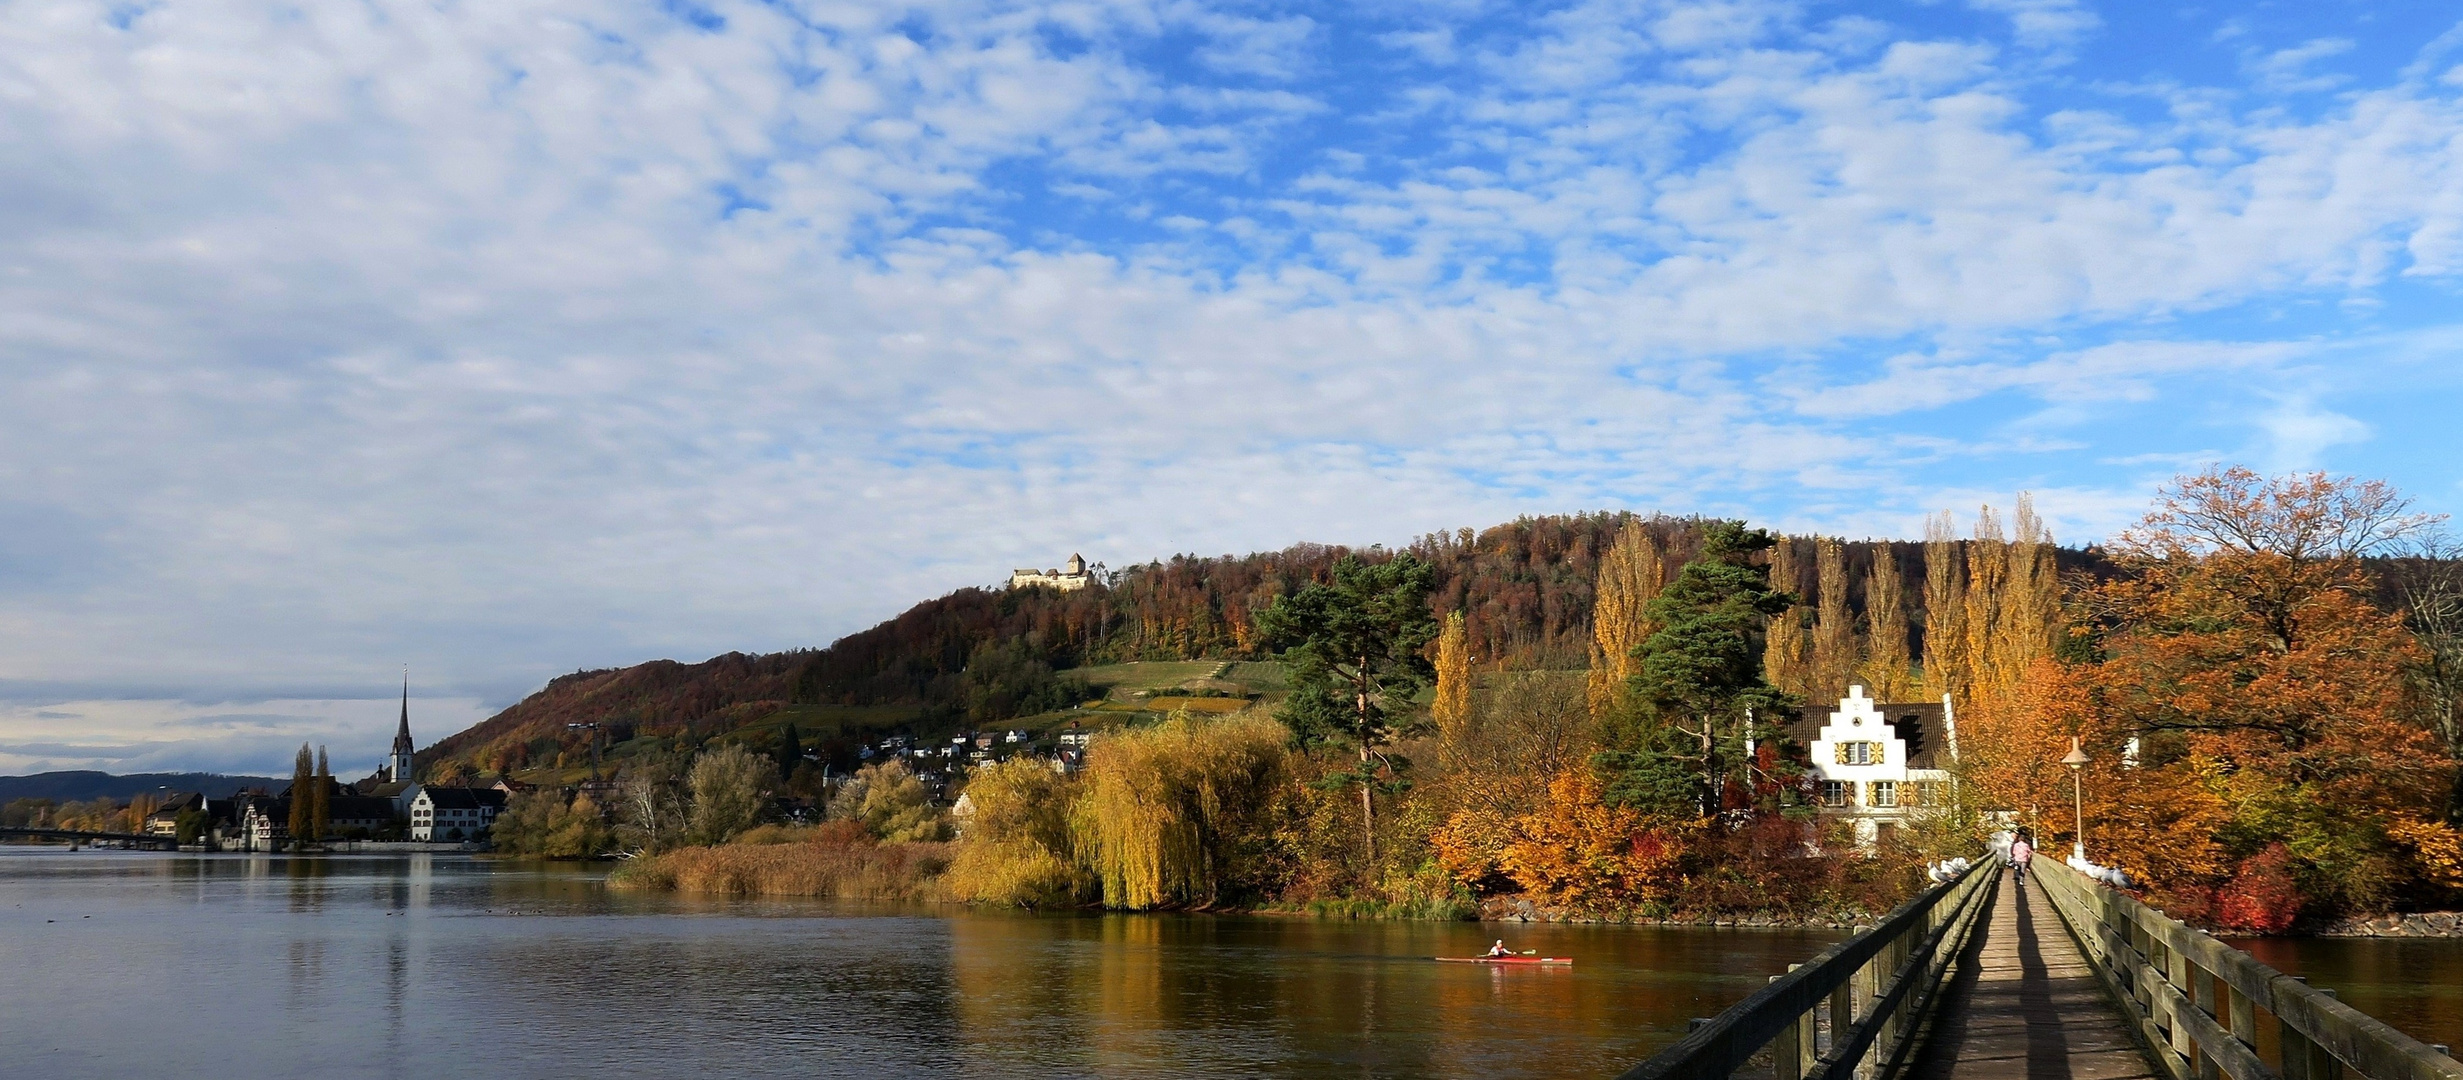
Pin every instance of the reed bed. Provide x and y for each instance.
(821, 861)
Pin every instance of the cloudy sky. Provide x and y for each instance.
(507, 338)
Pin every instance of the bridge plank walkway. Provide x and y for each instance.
(2022, 1003)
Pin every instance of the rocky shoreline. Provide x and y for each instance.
(2434, 924)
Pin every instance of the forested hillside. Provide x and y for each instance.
(1524, 589)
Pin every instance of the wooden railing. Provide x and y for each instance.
(2196, 1000)
(1875, 988)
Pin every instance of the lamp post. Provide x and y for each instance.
(2077, 759)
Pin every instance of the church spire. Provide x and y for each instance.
(398, 767)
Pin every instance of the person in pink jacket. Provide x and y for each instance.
(2021, 852)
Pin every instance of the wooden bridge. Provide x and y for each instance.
(81, 836)
(1981, 979)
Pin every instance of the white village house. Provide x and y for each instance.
(1874, 764)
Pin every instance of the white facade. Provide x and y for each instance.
(1864, 770)
(457, 819)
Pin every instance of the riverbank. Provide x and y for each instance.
(2434, 924)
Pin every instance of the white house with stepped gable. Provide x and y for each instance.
(1876, 764)
(1071, 577)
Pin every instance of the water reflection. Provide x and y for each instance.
(390, 967)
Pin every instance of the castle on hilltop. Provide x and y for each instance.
(1073, 576)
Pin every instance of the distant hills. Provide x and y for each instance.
(980, 658)
(79, 785)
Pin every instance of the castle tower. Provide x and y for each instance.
(1077, 566)
(398, 767)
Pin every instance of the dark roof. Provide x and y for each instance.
(337, 808)
(1921, 724)
(462, 798)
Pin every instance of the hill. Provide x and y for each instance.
(80, 785)
(1031, 657)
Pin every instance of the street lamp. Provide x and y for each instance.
(2077, 761)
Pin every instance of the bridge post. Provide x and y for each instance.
(1787, 1056)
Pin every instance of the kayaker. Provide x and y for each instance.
(1499, 949)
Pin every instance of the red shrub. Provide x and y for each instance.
(2261, 898)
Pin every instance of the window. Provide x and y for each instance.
(1857, 753)
(1838, 792)
(1885, 793)
(1926, 793)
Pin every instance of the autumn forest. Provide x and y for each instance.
(1582, 714)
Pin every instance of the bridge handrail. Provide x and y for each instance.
(1870, 1019)
(2167, 972)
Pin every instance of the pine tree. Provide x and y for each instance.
(1885, 609)
(1834, 627)
(1352, 646)
(1783, 658)
(1945, 610)
(1699, 680)
(303, 773)
(320, 804)
(1452, 708)
(1630, 576)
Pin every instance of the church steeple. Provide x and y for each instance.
(398, 767)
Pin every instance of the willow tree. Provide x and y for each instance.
(1163, 808)
(1353, 646)
(1700, 681)
(1630, 577)
(1885, 610)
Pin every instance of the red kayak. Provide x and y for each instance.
(1503, 959)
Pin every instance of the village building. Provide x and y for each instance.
(266, 823)
(453, 814)
(1875, 765)
(1069, 578)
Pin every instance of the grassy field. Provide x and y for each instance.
(1148, 675)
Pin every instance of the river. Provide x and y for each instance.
(132, 964)
(126, 964)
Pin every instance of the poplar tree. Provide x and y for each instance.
(1783, 657)
(1945, 610)
(1630, 577)
(1988, 582)
(2031, 616)
(1452, 708)
(1885, 608)
(1834, 628)
(320, 798)
(303, 773)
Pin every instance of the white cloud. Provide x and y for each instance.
(511, 339)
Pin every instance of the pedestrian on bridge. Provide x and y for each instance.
(2022, 851)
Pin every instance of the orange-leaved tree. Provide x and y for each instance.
(2241, 644)
(1580, 851)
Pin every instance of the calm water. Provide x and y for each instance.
(125, 964)
(2414, 984)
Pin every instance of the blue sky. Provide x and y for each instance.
(505, 339)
